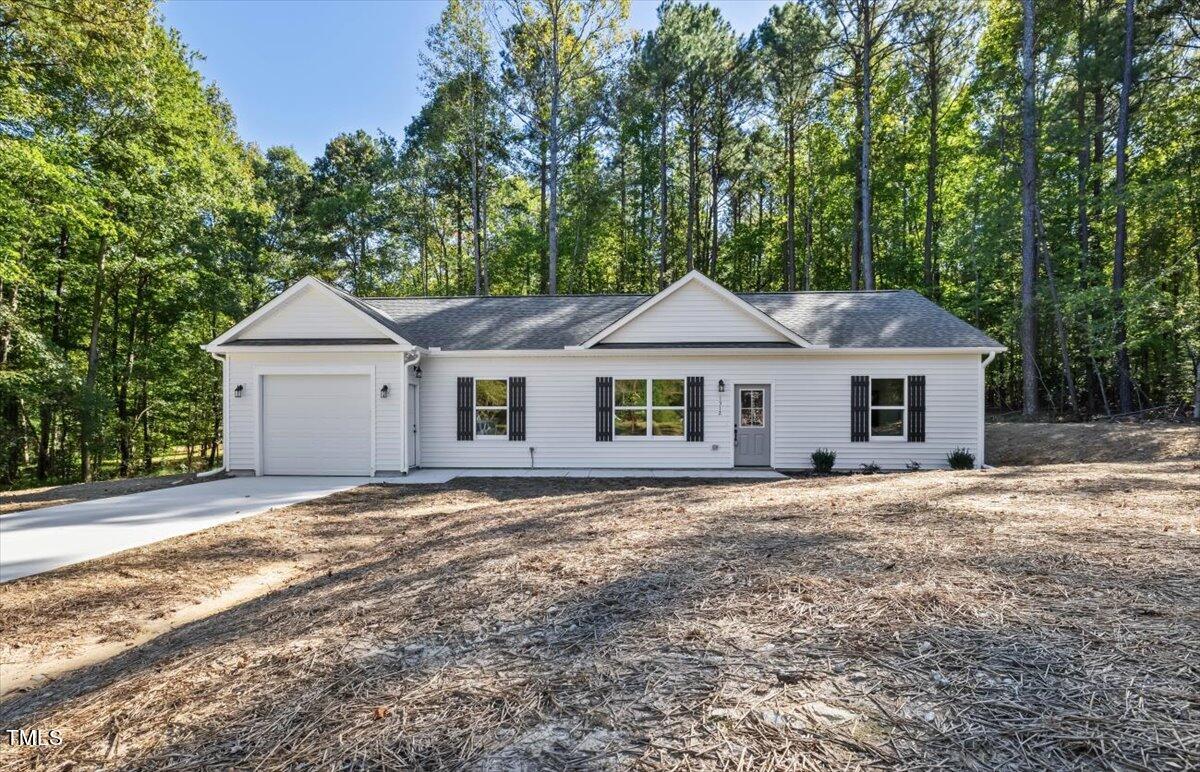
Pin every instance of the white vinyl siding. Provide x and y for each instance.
(313, 314)
(692, 314)
(810, 409)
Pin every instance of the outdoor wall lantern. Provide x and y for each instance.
(237, 391)
(721, 385)
(417, 372)
(383, 393)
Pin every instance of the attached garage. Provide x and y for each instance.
(318, 424)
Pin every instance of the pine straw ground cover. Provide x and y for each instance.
(1033, 617)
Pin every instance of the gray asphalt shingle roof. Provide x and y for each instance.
(886, 319)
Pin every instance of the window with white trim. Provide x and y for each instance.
(750, 410)
(491, 407)
(649, 407)
(887, 407)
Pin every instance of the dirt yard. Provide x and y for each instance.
(1034, 617)
(1025, 444)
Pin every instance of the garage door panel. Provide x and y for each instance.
(316, 424)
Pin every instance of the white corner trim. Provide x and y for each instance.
(283, 298)
(704, 281)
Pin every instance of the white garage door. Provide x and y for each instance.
(316, 424)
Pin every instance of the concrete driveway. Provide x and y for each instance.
(42, 539)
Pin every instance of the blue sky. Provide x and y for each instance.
(298, 73)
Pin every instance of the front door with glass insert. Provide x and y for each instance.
(752, 425)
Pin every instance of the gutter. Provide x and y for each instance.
(408, 420)
(224, 408)
(983, 363)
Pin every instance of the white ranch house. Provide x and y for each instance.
(319, 382)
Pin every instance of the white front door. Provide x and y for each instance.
(414, 427)
(752, 425)
(316, 424)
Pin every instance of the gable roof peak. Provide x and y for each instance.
(695, 276)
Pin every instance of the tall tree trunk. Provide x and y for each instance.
(789, 270)
(125, 439)
(143, 407)
(544, 181)
(1124, 381)
(87, 423)
(476, 224)
(1060, 327)
(1196, 382)
(868, 267)
(555, 98)
(713, 206)
(1028, 205)
(662, 188)
(46, 412)
(11, 406)
(1084, 173)
(459, 225)
(693, 204)
(930, 238)
(622, 247)
(476, 214)
(856, 237)
(808, 240)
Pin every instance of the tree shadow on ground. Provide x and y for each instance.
(605, 625)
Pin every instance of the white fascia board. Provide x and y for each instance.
(280, 300)
(685, 351)
(688, 278)
(352, 348)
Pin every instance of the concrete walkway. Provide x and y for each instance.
(43, 539)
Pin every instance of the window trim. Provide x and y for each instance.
(903, 406)
(763, 407)
(475, 407)
(648, 409)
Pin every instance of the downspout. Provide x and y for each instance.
(224, 409)
(987, 360)
(408, 420)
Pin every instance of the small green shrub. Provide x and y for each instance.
(823, 460)
(870, 467)
(961, 458)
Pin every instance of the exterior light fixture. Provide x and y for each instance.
(383, 393)
(237, 391)
(721, 386)
(417, 372)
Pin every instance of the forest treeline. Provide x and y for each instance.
(1032, 166)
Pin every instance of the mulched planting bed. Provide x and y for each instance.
(1025, 618)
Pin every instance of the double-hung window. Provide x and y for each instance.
(649, 407)
(491, 407)
(887, 408)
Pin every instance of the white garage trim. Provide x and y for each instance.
(260, 371)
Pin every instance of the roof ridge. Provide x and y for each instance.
(506, 297)
(629, 295)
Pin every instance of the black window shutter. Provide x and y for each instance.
(916, 408)
(695, 409)
(860, 408)
(516, 409)
(466, 408)
(604, 410)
